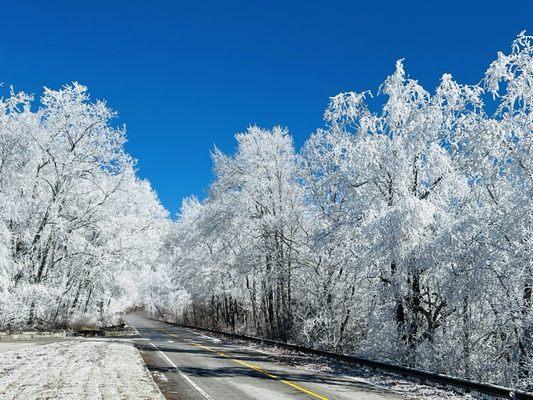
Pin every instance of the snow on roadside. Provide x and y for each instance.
(409, 389)
(76, 370)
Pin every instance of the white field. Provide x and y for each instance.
(76, 370)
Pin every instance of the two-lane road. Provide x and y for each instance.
(204, 368)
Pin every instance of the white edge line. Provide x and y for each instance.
(216, 340)
(194, 385)
(211, 338)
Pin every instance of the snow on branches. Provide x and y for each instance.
(75, 222)
(401, 230)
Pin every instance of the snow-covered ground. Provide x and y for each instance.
(76, 370)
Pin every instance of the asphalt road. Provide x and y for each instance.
(194, 366)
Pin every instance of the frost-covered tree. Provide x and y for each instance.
(242, 242)
(401, 230)
(75, 221)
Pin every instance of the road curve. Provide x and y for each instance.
(203, 368)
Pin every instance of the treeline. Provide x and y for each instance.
(401, 230)
(77, 227)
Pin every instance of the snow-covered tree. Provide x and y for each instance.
(401, 230)
(75, 221)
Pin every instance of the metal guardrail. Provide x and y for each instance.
(485, 388)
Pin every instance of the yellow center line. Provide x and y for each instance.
(254, 367)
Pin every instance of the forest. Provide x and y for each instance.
(401, 230)
(76, 224)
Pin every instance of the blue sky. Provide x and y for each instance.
(185, 76)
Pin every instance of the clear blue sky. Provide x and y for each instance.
(185, 76)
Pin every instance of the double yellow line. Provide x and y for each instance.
(254, 367)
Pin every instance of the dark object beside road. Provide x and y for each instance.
(89, 332)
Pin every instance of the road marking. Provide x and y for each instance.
(263, 371)
(194, 385)
(254, 367)
(111, 339)
(212, 339)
